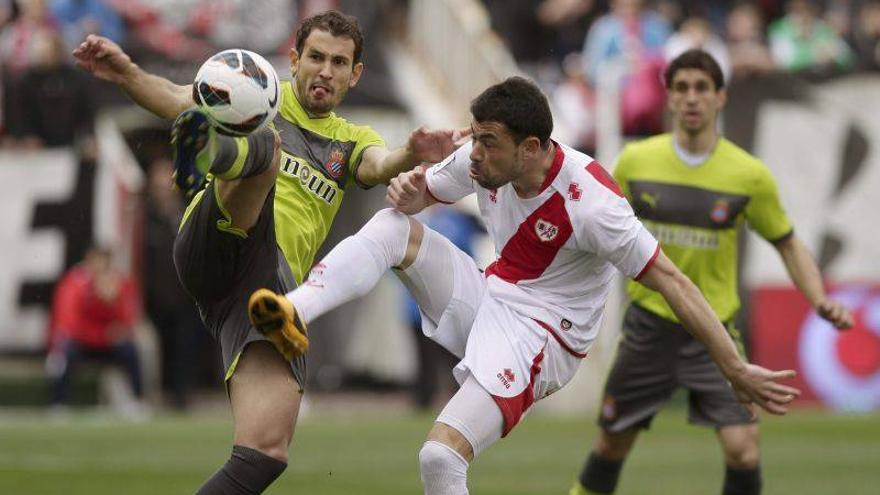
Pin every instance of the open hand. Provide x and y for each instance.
(432, 146)
(103, 58)
(758, 385)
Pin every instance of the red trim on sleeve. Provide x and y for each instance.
(512, 408)
(600, 174)
(649, 263)
(428, 190)
(579, 355)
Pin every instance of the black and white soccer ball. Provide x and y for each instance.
(238, 90)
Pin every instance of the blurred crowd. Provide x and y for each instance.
(572, 47)
(46, 102)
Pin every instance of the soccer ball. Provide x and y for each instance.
(238, 90)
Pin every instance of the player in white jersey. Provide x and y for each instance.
(560, 227)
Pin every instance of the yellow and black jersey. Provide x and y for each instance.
(695, 211)
(319, 159)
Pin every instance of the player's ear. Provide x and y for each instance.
(356, 72)
(669, 99)
(294, 60)
(531, 146)
(722, 98)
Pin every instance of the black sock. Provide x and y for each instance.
(745, 481)
(600, 475)
(257, 148)
(247, 472)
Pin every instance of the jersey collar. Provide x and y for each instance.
(555, 167)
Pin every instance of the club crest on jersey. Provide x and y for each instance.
(335, 166)
(545, 230)
(720, 211)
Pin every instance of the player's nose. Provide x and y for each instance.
(476, 155)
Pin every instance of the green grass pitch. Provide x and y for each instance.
(807, 452)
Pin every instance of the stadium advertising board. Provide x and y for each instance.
(56, 205)
(822, 143)
(840, 369)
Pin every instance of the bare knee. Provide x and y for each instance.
(615, 446)
(741, 446)
(271, 440)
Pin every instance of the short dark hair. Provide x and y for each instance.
(337, 24)
(519, 105)
(695, 59)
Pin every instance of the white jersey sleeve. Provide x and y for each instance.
(450, 180)
(612, 231)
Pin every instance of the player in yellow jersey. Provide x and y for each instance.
(693, 189)
(261, 219)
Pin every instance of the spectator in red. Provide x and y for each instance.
(93, 315)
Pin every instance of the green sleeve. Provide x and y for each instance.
(365, 137)
(764, 211)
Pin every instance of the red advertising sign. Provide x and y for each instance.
(839, 368)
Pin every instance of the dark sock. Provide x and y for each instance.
(742, 481)
(600, 475)
(247, 472)
(257, 149)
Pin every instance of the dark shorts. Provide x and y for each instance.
(655, 357)
(221, 266)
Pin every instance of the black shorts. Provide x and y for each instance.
(221, 266)
(655, 357)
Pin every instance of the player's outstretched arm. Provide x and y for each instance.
(106, 60)
(379, 165)
(806, 276)
(752, 383)
(408, 192)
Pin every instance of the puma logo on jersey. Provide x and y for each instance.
(545, 230)
(649, 199)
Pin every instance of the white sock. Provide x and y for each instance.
(443, 470)
(354, 266)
